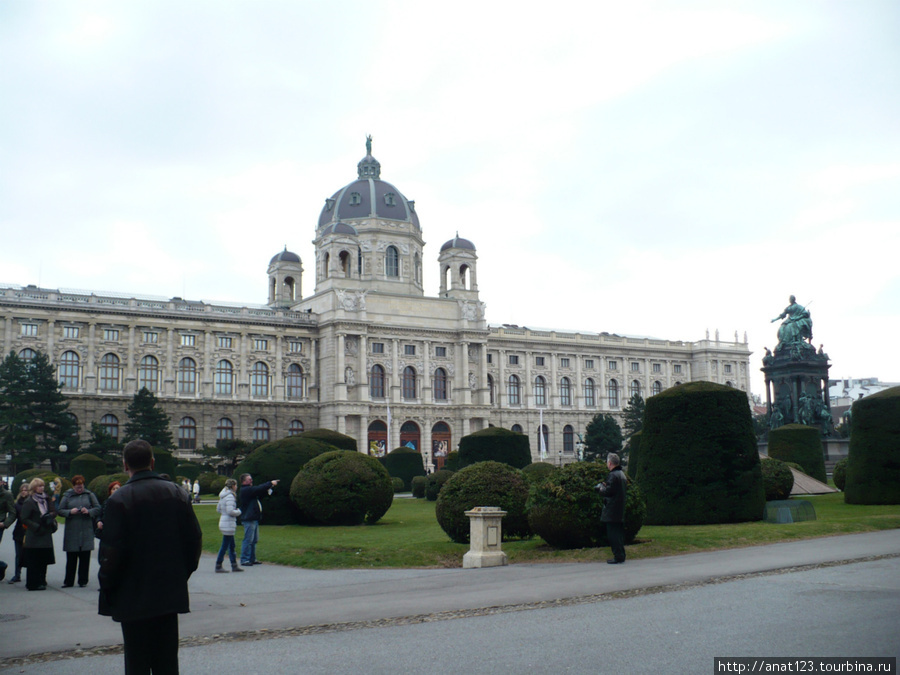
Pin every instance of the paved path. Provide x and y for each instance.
(276, 599)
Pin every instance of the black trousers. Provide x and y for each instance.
(615, 532)
(81, 560)
(151, 645)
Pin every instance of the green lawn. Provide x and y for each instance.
(409, 536)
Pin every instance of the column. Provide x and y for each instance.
(600, 391)
(394, 395)
(501, 379)
(340, 380)
(553, 385)
(427, 390)
(51, 326)
(206, 385)
(278, 392)
(168, 383)
(90, 374)
(242, 388)
(130, 378)
(485, 398)
(578, 385)
(463, 392)
(362, 391)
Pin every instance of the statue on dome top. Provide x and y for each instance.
(369, 144)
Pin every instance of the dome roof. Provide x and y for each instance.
(368, 197)
(285, 256)
(339, 228)
(458, 242)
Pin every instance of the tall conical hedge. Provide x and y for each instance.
(404, 463)
(873, 462)
(699, 461)
(87, 465)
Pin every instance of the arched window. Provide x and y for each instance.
(568, 438)
(259, 379)
(224, 378)
(110, 424)
(513, 390)
(148, 374)
(295, 381)
(27, 355)
(409, 382)
(540, 391)
(187, 433)
(656, 388)
(109, 372)
(634, 389)
(440, 385)
(517, 428)
(376, 382)
(392, 262)
(565, 392)
(225, 430)
(344, 258)
(295, 428)
(490, 381)
(612, 393)
(589, 397)
(261, 430)
(186, 376)
(69, 370)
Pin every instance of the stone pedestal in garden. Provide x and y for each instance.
(484, 538)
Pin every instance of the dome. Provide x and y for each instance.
(458, 242)
(368, 197)
(339, 228)
(285, 256)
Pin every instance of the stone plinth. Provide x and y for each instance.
(484, 539)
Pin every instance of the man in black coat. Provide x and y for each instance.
(251, 513)
(150, 547)
(613, 514)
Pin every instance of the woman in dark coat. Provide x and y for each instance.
(39, 520)
(79, 507)
(19, 533)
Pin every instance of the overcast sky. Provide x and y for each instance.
(642, 168)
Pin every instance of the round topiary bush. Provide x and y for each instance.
(434, 482)
(495, 444)
(418, 486)
(483, 484)
(777, 479)
(88, 465)
(699, 462)
(164, 462)
(206, 480)
(25, 476)
(215, 487)
(280, 459)
(100, 485)
(839, 474)
(342, 488)
(801, 444)
(537, 471)
(189, 470)
(404, 463)
(564, 510)
(873, 467)
(332, 438)
(397, 484)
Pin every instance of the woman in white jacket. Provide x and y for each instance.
(228, 513)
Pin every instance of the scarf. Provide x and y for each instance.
(41, 501)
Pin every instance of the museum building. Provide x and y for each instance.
(368, 353)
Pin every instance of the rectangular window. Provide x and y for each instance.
(188, 340)
(378, 348)
(728, 369)
(29, 329)
(538, 360)
(657, 368)
(70, 331)
(150, 337)
(110, 334)
(490, 358)
(677, 368)
(409, 350)
(513, 360)
(564, 362)
(589, 364)
(295, 347)
(635, 367)
(440, 351)
(612, 365)
(224, 342)
(260, 344)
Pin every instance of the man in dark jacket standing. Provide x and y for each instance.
(251, 512)
(150, 547)
(613, 514)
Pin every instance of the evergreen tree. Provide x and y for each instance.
(230, 451)
(105, 447)
(34, 417)
(148, 420)
(634, 414)
(601, 437)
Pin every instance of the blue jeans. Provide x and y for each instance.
(248, 546)
(227, 545)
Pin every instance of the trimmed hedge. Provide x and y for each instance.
(495, 444)
(778, 481)
(188, 470)
(397, 484)
(873, 468)
(565, 509)
(100, 485)
(164, 462)
(88, 465)
(633, 454)
(25, 476)
(342, 488)
(801, 444)
(418, 486)
(435, 481)
(537, 471)
(206, 480)
(280, 459)
(452, 461)
(404, 463)
(839, 474)
(483, 484)
(333, 438)
(699, 462)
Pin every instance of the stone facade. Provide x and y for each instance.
(367, 354)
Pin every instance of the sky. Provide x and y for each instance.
(643, 168)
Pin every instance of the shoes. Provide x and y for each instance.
(235, 568)
(247, 564)
(220, 570)
(14, 580)
(67, 585)
(81, 585)
(613, 561)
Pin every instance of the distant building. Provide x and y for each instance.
(845, 391)
(366, 340)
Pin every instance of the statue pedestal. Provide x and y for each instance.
(484, 538)
(797, 387)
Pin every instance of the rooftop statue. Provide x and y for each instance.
(369, 144)
(796, 327)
